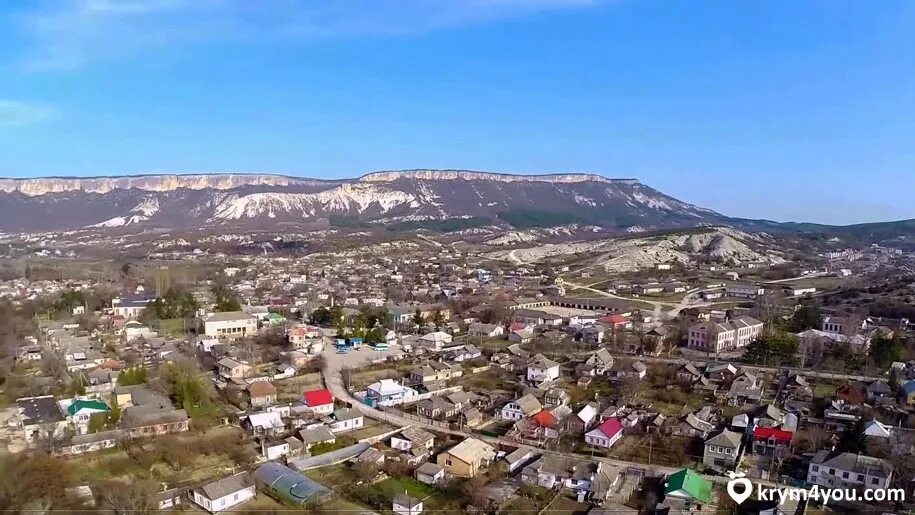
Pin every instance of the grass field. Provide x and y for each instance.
(400, 485)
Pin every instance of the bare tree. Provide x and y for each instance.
(129, 499)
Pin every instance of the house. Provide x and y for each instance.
(467, 458)
(40, 419)
(225, 493)
(405, 505)
(435, 340)
(429, 473)
(721, 450)
(724, 336)
(744, 291)
(315, 436)
(481, 330)
(770, 441)
(267, 423)
(436, 407)
(542, 370)
(130, 306)
(879, 389)
(80, 411)
(91, 442)
(615, 322)
(371, 456)
(261, 393)
(275, 449)
(518, 458)
(388, 392)
(231, 369)
(584, 419)
(149, 421)
(320, 402)
(846, 470)
(876, 429)
(688, 487)
(523, 335)
(601, 360)
(230, 324)
(521, 408)
(592, 335)
(688, 373)
(413, 438)
(342, 420)
(606, 434)
(586, 479)
(907, 392)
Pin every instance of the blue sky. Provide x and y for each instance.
(785, 110)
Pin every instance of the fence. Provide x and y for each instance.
(424, 420)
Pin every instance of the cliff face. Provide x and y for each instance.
(261, 200)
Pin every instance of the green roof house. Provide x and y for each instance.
(688, 485)
(87, 407)
(275, 318)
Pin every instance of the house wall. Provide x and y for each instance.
(223, 503)
(231, 328)
(455, 466)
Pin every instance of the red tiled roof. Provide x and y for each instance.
(545, 419)
(610, 427)
(318, 397)
(516, 326)
(780, 435)
(614, 319)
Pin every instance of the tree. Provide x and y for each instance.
(853, 440)
(97, 422)
(885, 350)
(438, 318)
(225, 300)
(128, 499)
(184, 383)
(805, 317)
(773, 348)
(418, 319)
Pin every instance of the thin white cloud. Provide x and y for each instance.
(69, 33)
(14, 113)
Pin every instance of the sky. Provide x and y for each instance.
(782, 110)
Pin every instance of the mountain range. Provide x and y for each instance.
(435, 199)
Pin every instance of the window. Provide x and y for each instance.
(832, 471)
(861, 477)
(814, 468)
(845, 475)
(875, 481)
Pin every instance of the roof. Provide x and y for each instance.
(529, 404)
(314, 398)
(610, 427)
(77, 405)
(430, 469)
(40, 410)
(261, 389)
(725, 439)
(387, 387)
(229, 316)
(850, 462)
(406, 500)
(288, 484)
(780, 435)
(545, 419)
(471, 450)
(688, 484)
(227, 486)
(316, 435)
(416, 435)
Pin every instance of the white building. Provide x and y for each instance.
(406, 505)
(724, 336)
(230, 324)
(849, 471)
(542, 370)
(225, 493)
(744, 291)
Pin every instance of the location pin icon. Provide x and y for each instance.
(740, 489)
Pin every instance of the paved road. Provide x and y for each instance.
(329, 458)
(690, 300)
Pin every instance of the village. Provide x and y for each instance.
(421, 378)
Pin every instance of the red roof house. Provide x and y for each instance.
(320, 401)
(606, 434)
